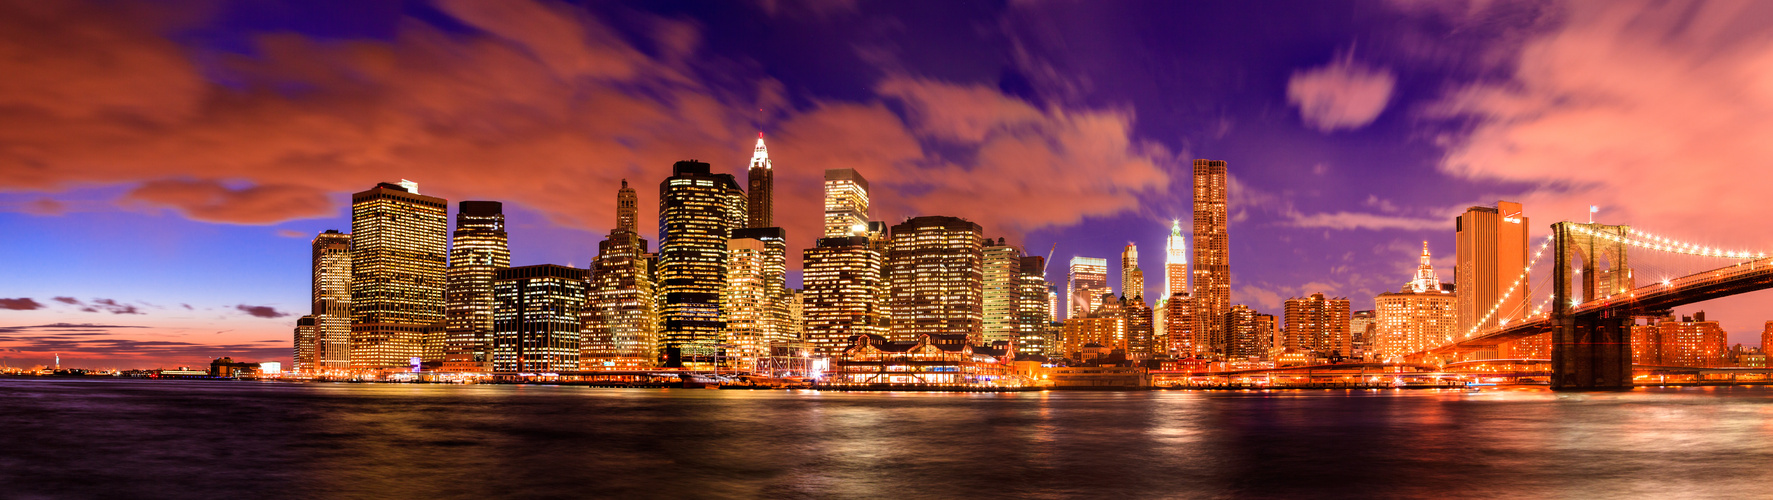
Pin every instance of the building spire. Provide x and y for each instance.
(760, 156)
(1425, 280)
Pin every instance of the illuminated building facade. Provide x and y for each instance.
(1132, 280)
(925, 361)
(760, 183)
(1086, 282)
(1108, 331)
(1141, 341)
(620, 327)
(1032, 313)
(1421, 315)
(1212, 256)
(1363, 327)
(1002, 291)
(846, 203)
(1492, 252)
(936, 271)
(331, 299)
(1175, 261)
(698, 210)
(398, 252)
(1250, 334)
(1318, 324)
(755, 293)
(1689, 341)
(536, 319)
(478, 251)
(1179, 338)
(302, 358)
(839, 298)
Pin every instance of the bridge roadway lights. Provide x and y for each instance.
(1591, 353)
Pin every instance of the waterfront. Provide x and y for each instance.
(86, 437)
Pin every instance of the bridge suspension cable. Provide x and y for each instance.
(1479, 325)
(1642, 239)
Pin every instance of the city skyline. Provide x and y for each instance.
(236, 277)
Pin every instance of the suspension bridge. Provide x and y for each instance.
(1593, 299)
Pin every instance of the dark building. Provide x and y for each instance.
(478, 251)
(536, 321)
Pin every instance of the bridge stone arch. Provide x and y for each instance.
(1592, 350)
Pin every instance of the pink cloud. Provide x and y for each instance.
(1343, 94)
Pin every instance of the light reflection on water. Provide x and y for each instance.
(132, 438)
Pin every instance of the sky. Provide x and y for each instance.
(164, 165)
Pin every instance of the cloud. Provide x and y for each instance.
(111, 306)
(68, 300)
(120, 345)
(291, 233)
(261, 311)
(531, 90)
(1343, 94)
(20, 304)
(1356, 220)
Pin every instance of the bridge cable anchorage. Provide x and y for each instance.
(1510, 292)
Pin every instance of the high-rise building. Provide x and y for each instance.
(760, 188)
(839, 298)
(398, 253)
(1141, 343)
(1363, 326)
(1767, 338)
(1318, 324)
(696, 216)
(478, 251)
(619, 320)
(1249, 334)
(846, 203)
(1003, 291)
(1690, 341)
(1421, 315)
(1492, 253)
(302, 359)
(331, 299)
(936, 271)
(1175, 261)
(536, 318)
(1105, 326)
(1180, 339)
(1132, 280)
(796, 315)
(1032, 315)
(1087, 281)
(1212, 255)
(755, 300)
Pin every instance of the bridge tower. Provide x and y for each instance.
(1590, 351)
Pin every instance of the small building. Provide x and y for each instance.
(227, 367)
(928, 361)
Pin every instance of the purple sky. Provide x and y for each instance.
(163, 165)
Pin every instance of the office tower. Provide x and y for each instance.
(1421, 315)
(536, 318)
(1180, 339)
(1249, 334)
(755, 293)
(881, 241)
(936, 271)
(846, 203)
(1318, 324)
(1088, 280)
(796, 315)
(1212, 255)
(696, 216)
(478, 251)
(1132, 280)
(302, 358)
(1141, 343)
(619, 320)
(1105, 326)
(1003, 291)
(1175, 261)
(1362, 326)
(1032, 315)
(839, 282)
(331, 299)
(760, 188)
(1492, 253)
(398, 253)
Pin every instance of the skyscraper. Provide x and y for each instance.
(332, 301)
(1140, 341)
(1032, 313)
(846, 203)
(755, 303)
(1421, 315)
(1249, 334)
(1175, 261)
(536, 318)
(760, 185)
(620, 325)
(478, 252)
(936, 271)
(398, 253)
(1003, 292)
(1492, 252)
(1318, 324)
(1087, 281)
(302, 357)
(1212, 254)
(1180, 338)
(696, 216)
(1132, 280)
(840, 280)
